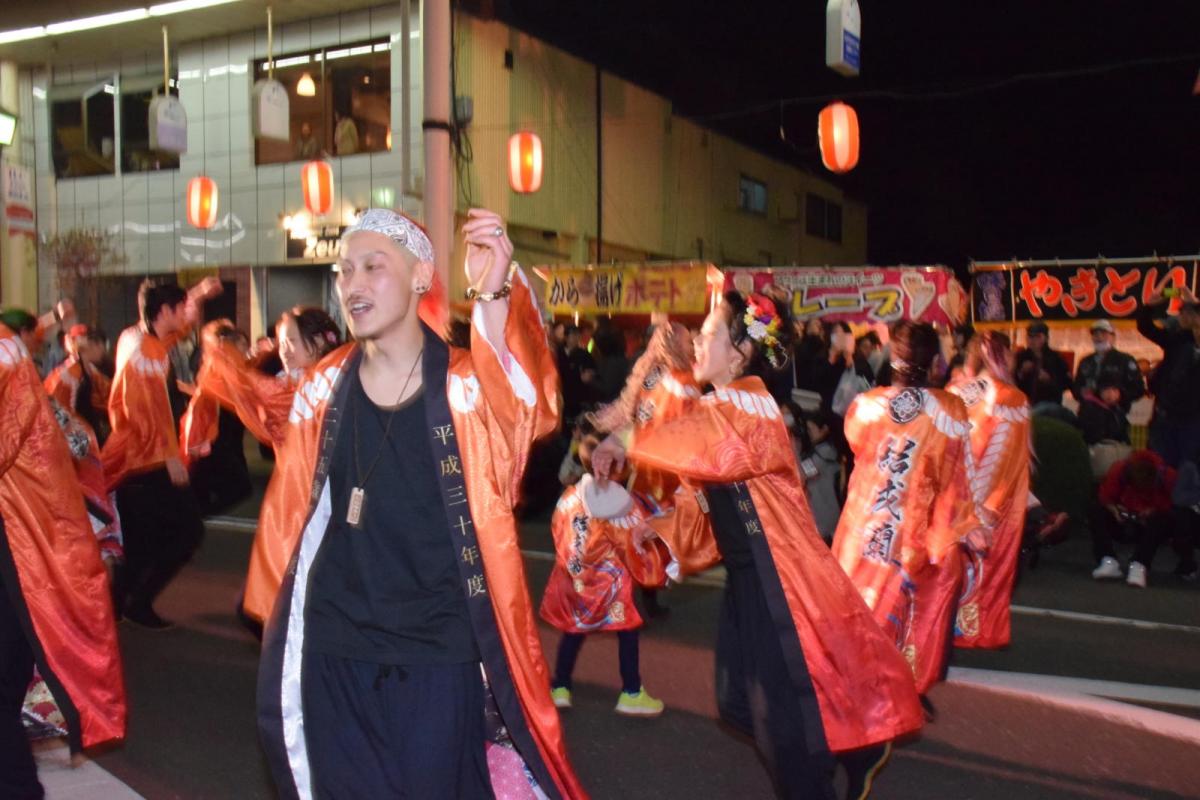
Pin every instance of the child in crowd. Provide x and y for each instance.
(820, 465)
(591, 586)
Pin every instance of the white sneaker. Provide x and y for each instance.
(1109, 569)
(1137, 575)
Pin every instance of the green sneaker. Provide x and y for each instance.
(639, 705)
(561, 697)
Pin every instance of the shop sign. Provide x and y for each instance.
(269, 116)
(168, 124)
(1085, 292)
(320, 244)
(628, 290)
(862, 294)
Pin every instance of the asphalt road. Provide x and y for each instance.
(192, 729)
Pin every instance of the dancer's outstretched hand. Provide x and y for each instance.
(608, 459)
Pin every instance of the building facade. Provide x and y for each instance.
(624, 179)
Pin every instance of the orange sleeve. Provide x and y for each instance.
(955, 512)
(262, 402)
(733, 434)
(198, 426)
(687, 533)
(1005, 460)
(20, 392)
(58, 384)
(519, 390)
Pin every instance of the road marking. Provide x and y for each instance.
(1095, 696)
(1079, 616)
(715, 578)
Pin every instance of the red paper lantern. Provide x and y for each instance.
(202, 202)
(525, 162)
(317, 179)
(837, 130)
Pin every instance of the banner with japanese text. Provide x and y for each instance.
(674, 289)
(1077, 292)
(862, 294)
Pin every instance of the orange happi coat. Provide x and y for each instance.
(263, 404)
(596, 565)
(1000, 445)
(64, 381)
(736, 435)
(497, 411)
(139, 409)
(907, 508)
(48, 550)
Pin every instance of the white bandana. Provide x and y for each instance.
(397, 227)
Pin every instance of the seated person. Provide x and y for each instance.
(1134, 505)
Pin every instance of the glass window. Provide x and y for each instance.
(136, 155)
(83, 129)
(339, 99)
(823, 218)
(752, 195)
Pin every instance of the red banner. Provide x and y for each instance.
(862, 294)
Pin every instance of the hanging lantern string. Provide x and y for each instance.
(166, 64)
(270, 47)
(943, 92)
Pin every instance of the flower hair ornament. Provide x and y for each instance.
(763, 326)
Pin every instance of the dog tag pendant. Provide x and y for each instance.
(354, 511)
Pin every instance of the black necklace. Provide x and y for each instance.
(358, 495)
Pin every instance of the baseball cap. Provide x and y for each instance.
(1103, 325)
(1038, 327)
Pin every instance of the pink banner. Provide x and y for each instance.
(862, 294)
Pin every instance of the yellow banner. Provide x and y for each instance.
(628, 290)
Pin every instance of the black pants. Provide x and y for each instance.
(757, 696)
(162, 528)
(18, 772)
(1146, 534)
(627, 649)
(390, 731)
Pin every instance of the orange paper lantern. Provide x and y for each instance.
(316, 177)
(525, 162)
(837, 130)
(202, 202)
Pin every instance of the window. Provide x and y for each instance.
(349, 109)
(752, 196)
(823, 218)
(83, 129)
(136, 155)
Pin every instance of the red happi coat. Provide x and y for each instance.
(139, 409)
(51, 561)
(907, 508)
(262, 403)
(498, 409)
(596, 566)
(64, 381)
(736, 434)
(1000, 444)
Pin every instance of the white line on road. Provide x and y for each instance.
(82, 780)
(715, 578)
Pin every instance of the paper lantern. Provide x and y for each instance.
(525, 162)
(316, 177)
(202, 202)
(306, 87)
(837, 130)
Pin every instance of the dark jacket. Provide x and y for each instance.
(1100, 422)
(1120, 367)
(1176, 383)
(1036, 388)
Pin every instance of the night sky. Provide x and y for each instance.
(1070, 166)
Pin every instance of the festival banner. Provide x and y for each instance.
(1078, 292)
(862, 294)
(627, 289)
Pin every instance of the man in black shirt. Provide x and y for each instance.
(1175, 429)
(401, 658)
(1108, 364)
(1041, 373)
